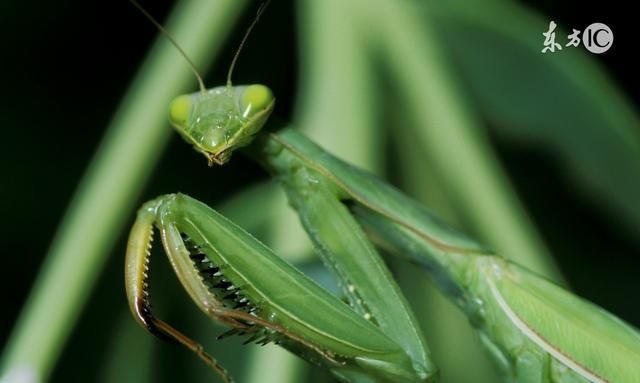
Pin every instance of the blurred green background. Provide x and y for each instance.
(559, 134)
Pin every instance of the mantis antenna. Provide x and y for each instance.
(244, 39)
(175, 43)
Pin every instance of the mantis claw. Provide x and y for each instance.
(136, 271)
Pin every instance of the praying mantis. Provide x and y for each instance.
(534, 330)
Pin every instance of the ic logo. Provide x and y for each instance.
(597, 38)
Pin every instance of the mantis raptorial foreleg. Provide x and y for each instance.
(535, 330)
(235, 279)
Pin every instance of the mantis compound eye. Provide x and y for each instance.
(180, 110)
(255, 99)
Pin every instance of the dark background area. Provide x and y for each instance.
(65, 65)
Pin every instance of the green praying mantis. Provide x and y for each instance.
(533, 329)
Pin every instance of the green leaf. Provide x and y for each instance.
(562, 102)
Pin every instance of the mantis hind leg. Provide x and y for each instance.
(136, 274)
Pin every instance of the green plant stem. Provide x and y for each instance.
(336, 107)
(128, 347)
(105, 197)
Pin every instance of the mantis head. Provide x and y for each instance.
(222, 119)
